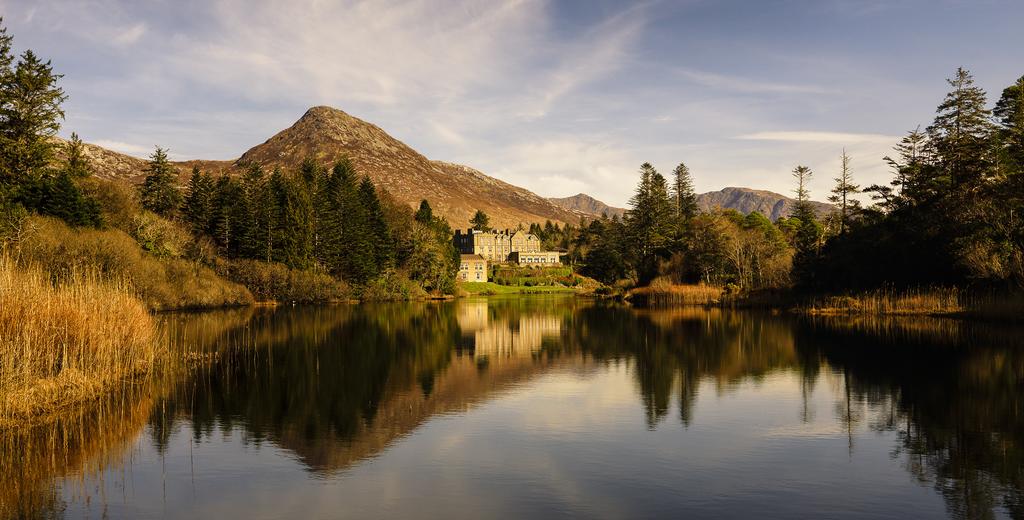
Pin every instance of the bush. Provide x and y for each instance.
(392, 285)
(271, 281)
(162, 283)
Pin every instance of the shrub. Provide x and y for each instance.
(392, 285)
(162, 283)
(271, 281)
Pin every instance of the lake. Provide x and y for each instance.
(543, 407)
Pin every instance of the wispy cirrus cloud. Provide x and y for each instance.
(819, 137)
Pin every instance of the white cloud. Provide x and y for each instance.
(747, 85)
(130, 35)
(128, 148)
(820, 137)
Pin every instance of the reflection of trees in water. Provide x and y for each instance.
(956, 406)
(673, 350)
(315, 373)
(338, 384)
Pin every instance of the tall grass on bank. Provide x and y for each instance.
(161, 282)
(66, 341)
(922, 301)
(662, 292)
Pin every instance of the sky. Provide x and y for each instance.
(559, 97)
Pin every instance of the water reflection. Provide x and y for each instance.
(335, 387)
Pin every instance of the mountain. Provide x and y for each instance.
(744, 200)
(454, 191)
(587, 206)
(328, 134)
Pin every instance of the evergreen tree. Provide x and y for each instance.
(258, 203)
(683, 195)
(842, 194)
(197, 208)
(1009, 112)
(960, 134)
(649, 222)
(159, 193)
(915, 178)
(379, 233)
(424, 215)
(808, 234)
(30, 114)
(480, 221)
(76, 164)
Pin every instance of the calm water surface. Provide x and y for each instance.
(544, 407)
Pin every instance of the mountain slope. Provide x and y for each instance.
(454, 191)
(587, 206)
(744, 200)
(747, 200)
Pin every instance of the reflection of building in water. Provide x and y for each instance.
(518, 336)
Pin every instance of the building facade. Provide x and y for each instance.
(496, 246)
(539, 258)
(472, 268)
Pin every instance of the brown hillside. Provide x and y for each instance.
(454, 191)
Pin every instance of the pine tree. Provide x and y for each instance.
(159, 193)
(77, 166)
(683, 195)
(30, 114)
(424, 215)
(842, 194)
(960, 134)
(915, 177)
(197, 208)
(650, 222)
(809, 231)
(377, 225)
(480, 221)
(1009, 112)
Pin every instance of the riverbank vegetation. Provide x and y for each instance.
(67, 339)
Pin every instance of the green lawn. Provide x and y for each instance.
(493, 288)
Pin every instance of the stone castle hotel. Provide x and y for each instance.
(515, 246)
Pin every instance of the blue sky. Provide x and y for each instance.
(558, 97)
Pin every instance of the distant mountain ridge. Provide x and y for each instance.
(327, 134)
(454, 191)
(745, 200)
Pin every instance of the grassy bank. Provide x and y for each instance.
(661, 292)
(934, 301)
(491, 288)
(162, 277)
(67, 340)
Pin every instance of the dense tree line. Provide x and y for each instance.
(665, 234)
(313, 218)
(952, 213)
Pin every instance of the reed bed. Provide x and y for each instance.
(661, 292)
(934, 301)
(68, 340)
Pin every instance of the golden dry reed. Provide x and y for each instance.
(934, 301)
(66, 341)
(662, 292)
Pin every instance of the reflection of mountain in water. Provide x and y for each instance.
(336, 385)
